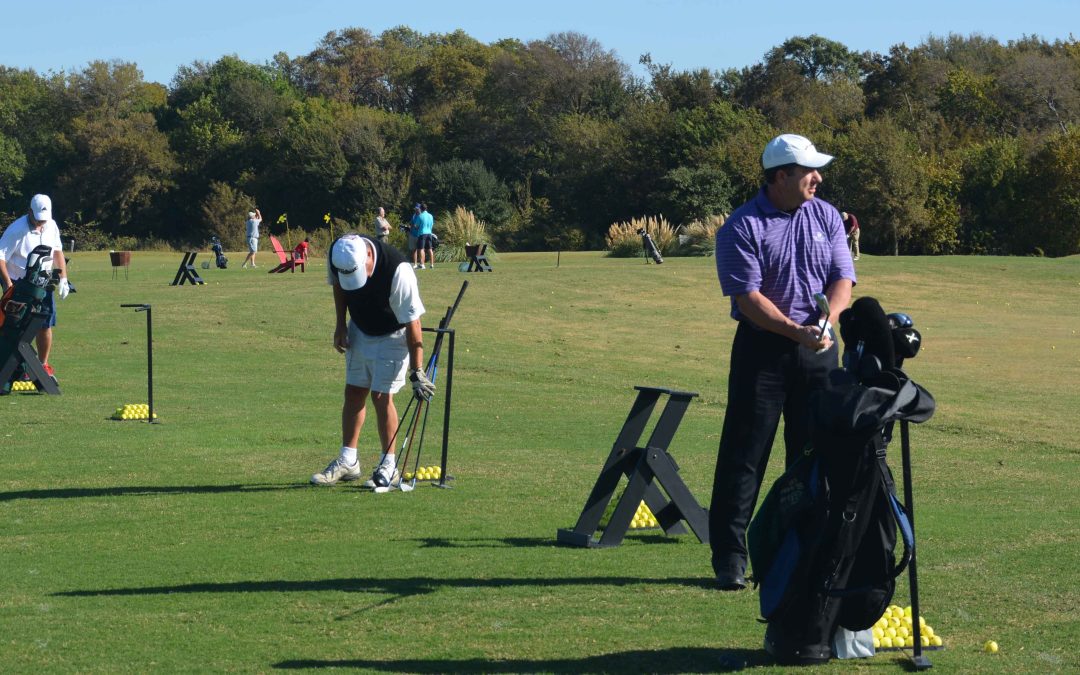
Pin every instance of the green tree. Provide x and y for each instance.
(1049, 220)
(803, 85)
(471, 185)
(879, 175)
(221, 214)
(991, 188)
(694, 193)
(119, 167)
(12, 167)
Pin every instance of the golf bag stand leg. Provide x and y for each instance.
(919, 660)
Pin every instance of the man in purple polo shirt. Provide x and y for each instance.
(772, 255)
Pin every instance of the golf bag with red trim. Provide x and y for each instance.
(24, 298)
(823, 542)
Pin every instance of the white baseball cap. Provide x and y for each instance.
(349, 258)
(793, 149)
(41, 205)
(251, 214)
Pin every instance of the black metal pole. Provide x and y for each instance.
(144, 307)
(150, 366)
(446, 411)
(920, 661)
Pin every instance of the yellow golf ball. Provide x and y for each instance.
(990, 647)
(886, 642)
(936, 640)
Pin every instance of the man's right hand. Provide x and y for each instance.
(341, 340)
(811, 338)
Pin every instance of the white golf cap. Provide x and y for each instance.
(793, 149)
(349, 258)
(41, 205)
(251, 214)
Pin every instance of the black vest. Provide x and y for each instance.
(369, 306)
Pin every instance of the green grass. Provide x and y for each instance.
(196, 544)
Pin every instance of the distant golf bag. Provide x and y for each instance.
(650, 247)
(219, 255)
(822, 545)
(20, 303)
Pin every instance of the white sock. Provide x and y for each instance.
(348, 455)
(388, 460)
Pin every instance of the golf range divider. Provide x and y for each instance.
(186, 271)
(647, 469)
(19, 352)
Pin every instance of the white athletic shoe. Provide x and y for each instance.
(415, 266)
(337, 471)
(381, 477)
(422, 266)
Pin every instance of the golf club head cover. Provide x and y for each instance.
(906, 342)
(865, 322)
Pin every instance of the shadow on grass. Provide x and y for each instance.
(141, 491)
(670, 660)
(523, 542)
(405, 587)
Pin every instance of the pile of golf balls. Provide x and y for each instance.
(894, 630)
(23, 385)
(425, 473)
(643, 518)
(133, 411)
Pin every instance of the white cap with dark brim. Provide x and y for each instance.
(793, 149)
(41, 206)
(349, 258)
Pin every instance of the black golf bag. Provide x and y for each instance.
(823, 543)
(219, 255)
(22, 300)
(650, 247)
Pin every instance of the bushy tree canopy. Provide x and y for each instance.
(947, 146)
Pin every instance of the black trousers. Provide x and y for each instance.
(770, 376)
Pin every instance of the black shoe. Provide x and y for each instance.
(730, 573)
(731, 581)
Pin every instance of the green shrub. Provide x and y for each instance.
(623, 240)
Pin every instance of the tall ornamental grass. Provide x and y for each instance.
(457, 228)
(623, 240)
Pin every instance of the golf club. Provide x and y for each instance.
(823, 322)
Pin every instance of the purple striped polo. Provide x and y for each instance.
(787, 257)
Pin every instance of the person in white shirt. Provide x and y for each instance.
(253, 221)
(20, 238)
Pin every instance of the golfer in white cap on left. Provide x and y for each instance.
(21, 237)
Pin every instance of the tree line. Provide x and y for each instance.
(960, 144)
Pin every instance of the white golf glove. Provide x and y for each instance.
(421, 385)
(826, 331)
(63, 288)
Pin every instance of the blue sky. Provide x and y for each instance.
(689, 34)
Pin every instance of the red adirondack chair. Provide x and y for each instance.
(290, 260)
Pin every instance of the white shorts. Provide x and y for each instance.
(377, 363)
(253, 244)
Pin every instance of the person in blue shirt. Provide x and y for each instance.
(423, 225)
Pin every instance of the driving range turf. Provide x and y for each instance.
(197, 544)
